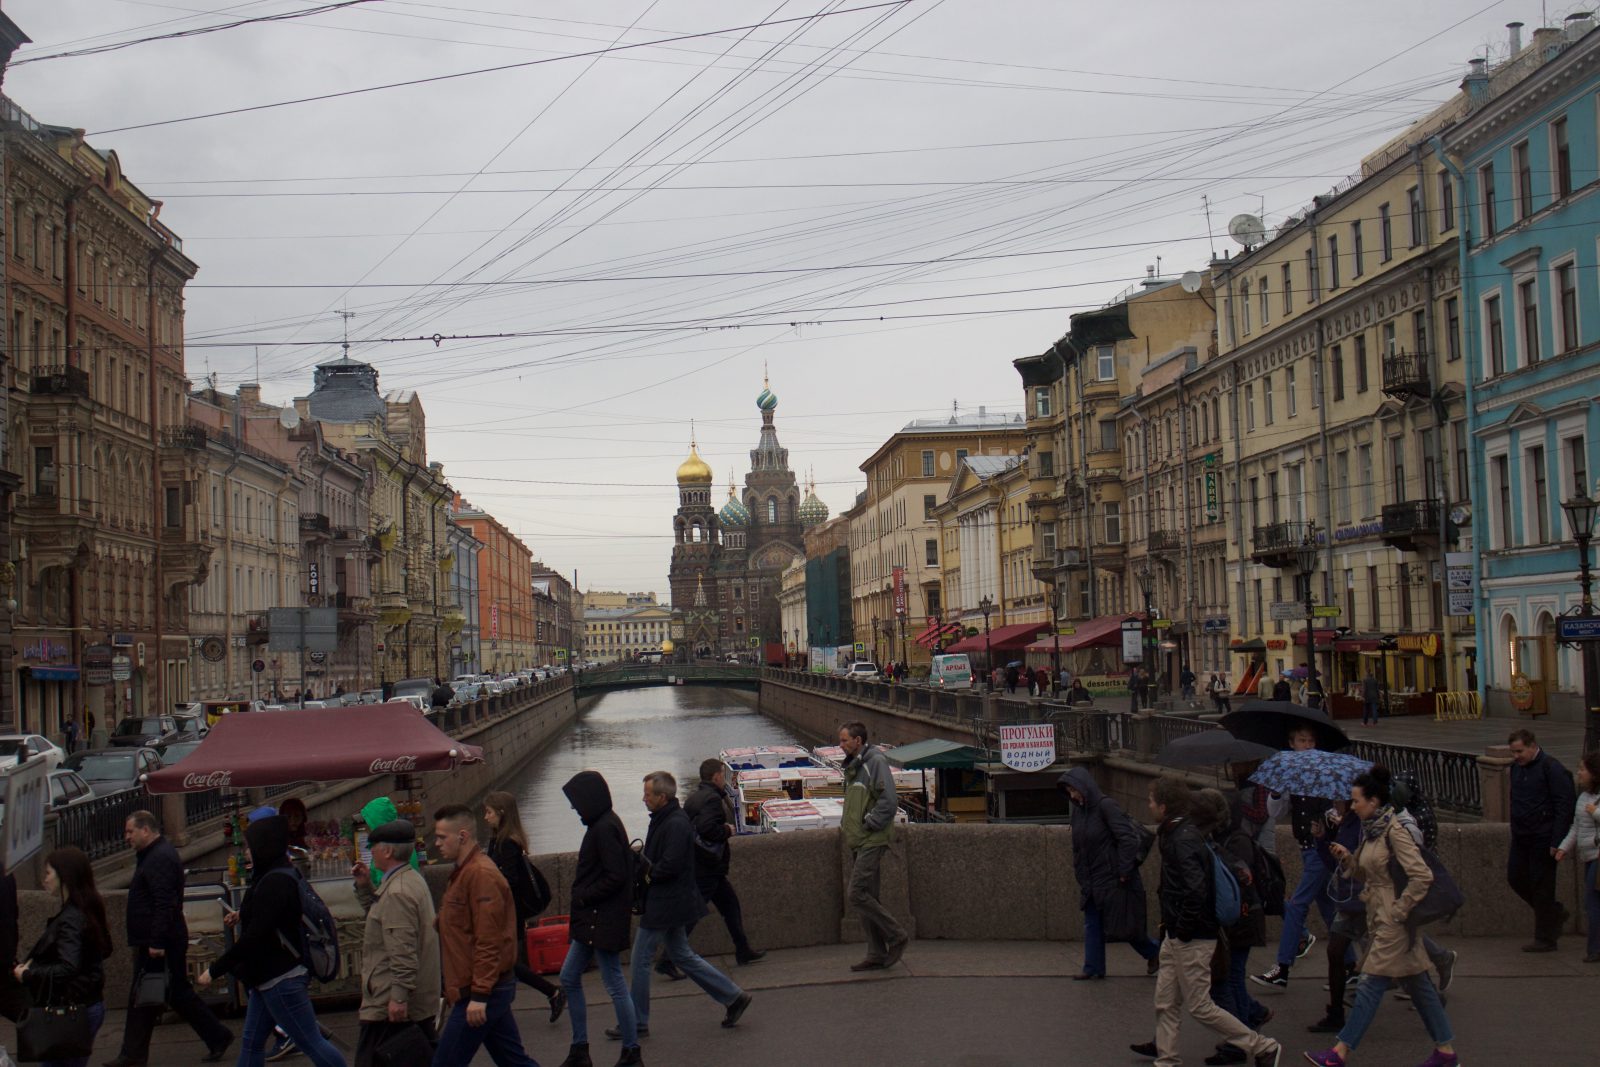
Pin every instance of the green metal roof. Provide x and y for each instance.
(937, 752)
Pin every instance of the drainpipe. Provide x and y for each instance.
(228, 519)
(1469, 311)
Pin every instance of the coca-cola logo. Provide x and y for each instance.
(395, 765)
(208, 780)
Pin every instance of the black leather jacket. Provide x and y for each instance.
(1188, 898)
(65, 965)
(707, 808)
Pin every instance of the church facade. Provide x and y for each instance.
(728, 562)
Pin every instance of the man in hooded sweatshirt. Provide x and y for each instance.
(600, 917)
(1106, 848)
(265, 953)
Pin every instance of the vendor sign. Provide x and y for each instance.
(1028, 747)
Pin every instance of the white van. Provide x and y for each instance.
(951, 672)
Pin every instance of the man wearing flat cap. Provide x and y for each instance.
(400, 951)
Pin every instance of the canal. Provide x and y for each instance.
(625, 735)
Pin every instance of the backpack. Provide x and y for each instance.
(1408, 795)
(1229, 897)
(1444, 897)
(318, 947)
(1266, 874)
(541, 888)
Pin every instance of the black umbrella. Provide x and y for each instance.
(1209, 748)
(1269, 722)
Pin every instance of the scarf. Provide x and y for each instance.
(1378, 825)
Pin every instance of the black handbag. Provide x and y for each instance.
(150, 988)
(54, 1034)
(405, 1046)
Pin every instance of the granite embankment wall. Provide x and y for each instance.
(816, 715)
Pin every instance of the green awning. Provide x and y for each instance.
(937, 752)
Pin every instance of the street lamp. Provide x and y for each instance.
(1306, 559)
(1580, 511)
(877, 659)
(986, 605)
(1146, 576)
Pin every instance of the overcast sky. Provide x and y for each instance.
(885, 205)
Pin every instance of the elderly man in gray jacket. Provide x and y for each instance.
(400, 950)
(870, 806)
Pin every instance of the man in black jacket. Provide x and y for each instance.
(159, 938)
(1543, 803)
(601, 910)
(1189, 920)
(672, 903)
(711, 812)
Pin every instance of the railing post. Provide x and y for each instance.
(1494, 783)
(174, 819)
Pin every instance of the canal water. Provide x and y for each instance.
(625, 735)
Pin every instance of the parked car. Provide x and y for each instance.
(422, 687)
(466, 693)
(420, 702)
(28, 746)
(141, 730)
(862, 671)
(68, 790)
(111, 770)
(176, 751)
(371, 696)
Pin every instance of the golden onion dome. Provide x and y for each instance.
(693, 469)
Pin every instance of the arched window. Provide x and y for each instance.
(772, 509)
(696, 533)
(1508, 660)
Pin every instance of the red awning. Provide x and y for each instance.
(1324, 638)
(266, 748)
(1354, 644)
(927, 637)
(1106, 631)
(1009, 638)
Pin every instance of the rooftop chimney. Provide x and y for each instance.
(1476, 82)
(1516, 36)
(250, 394)
(1577, 24)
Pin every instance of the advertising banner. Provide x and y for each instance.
(1028, 747)
(900, 591)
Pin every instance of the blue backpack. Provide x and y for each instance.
(1229, 897)
(318, 948)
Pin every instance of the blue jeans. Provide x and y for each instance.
(1094, 943)
(676, 938)
(1312, 888)
(97, 1015)
(579, 956)
(460, 1042)
(1369, 711)
(287, 1004)
(1424, 997)
(1234, 996)
(1591, 906)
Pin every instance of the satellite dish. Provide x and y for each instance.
(288, 418)
(1247, 230)
(1190, 281)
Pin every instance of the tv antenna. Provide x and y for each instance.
(346, 316)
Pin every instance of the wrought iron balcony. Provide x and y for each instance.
(1405, 375)
(1165, 541)
(191, 437)
(256, 627)
(315, 527)
(1411, 525)
(1278, 544)
(60, 381)
(353, 608)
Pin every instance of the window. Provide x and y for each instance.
(1522, 174)
(1361, 363)
(1414, 202)
(1106, 363)
(1047, 464)
(1358, 249)
(1316, 383)
(1528, 312)
(1274, 514)
(1364, 481)
(1561, 153)
(927, 463)
(1397, 464)
(1452, 330)
(1113, 514)
(772, 510)
(1289, 391)
(1041, 403)
(961, 454)
(1494, 336)
(1341, 486)
(1311, 274)
(1108, 435)
(1244, 305)
(1266, 312)
(1487, 192)
(1333, 262)
(1502, 490)
(1250, 407)
(1386, 337)
(1419, 331)
(1266, 399)
(1540, 501)
(1385, 234)
(930, 552)
(1447, 202)
(1288, 289)
(1336, 368)
(1459, 431)
(1578, 461)
(1567, 290)
(929, 502)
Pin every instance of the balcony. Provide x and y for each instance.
(315, 527)
(1405, 375)
(1164, 542)
(354, 608)
(60, 381)
(1412, 525)
(391, 601)
(256, 628)
(191, 437)
(349, 534)
(1276, 545)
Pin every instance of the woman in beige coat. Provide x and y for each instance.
(1396, 954)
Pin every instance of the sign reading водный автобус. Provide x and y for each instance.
(1030, 747)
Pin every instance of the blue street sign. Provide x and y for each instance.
(1578, 628)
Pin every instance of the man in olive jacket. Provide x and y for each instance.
(868, 825)
(400, 950)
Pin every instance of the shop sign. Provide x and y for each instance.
(1427, 644)
(494, 620)
(46, 650)
(1212, 511)
(1277, 644)
(121, 668)
(900, 591)
(1104, 685)
(1029, 747)
(97, 665)
(1132, 641)
(1521, 692)
(1458, 582)
(1358, 532)
(1215, 625)
(122, 640)
(313, 583)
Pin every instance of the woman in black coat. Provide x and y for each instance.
(67, 965)
(508, 847)
(1105, 857)
(600, 915)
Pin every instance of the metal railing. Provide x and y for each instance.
(1411, 517)
(59, 381)
(96, 827)
(1449, 780)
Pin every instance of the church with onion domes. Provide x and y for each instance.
(727, 560)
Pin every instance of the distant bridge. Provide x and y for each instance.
(634, 676)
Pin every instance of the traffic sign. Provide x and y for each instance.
(1162, 624)
(1578, 628)
(1326, 611)
(1286, 611)
(258, 665)
(26, 791)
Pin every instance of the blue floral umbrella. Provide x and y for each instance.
(1311, 773)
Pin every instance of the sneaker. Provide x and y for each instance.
(1441, 1059)
(1402, 994)
(1325, 1058)
(1306, 944)
(283, 1050)
(1328, 1024)
(736, 1009)
(1270, 1059)
(1277, 978)
(1349, 983)
(1447, 970)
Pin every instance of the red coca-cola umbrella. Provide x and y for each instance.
(267, 748)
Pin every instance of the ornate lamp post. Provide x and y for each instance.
(1306, 559)
(986, 605)
(1146, 576)
(1581, 511)
(875, 657)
